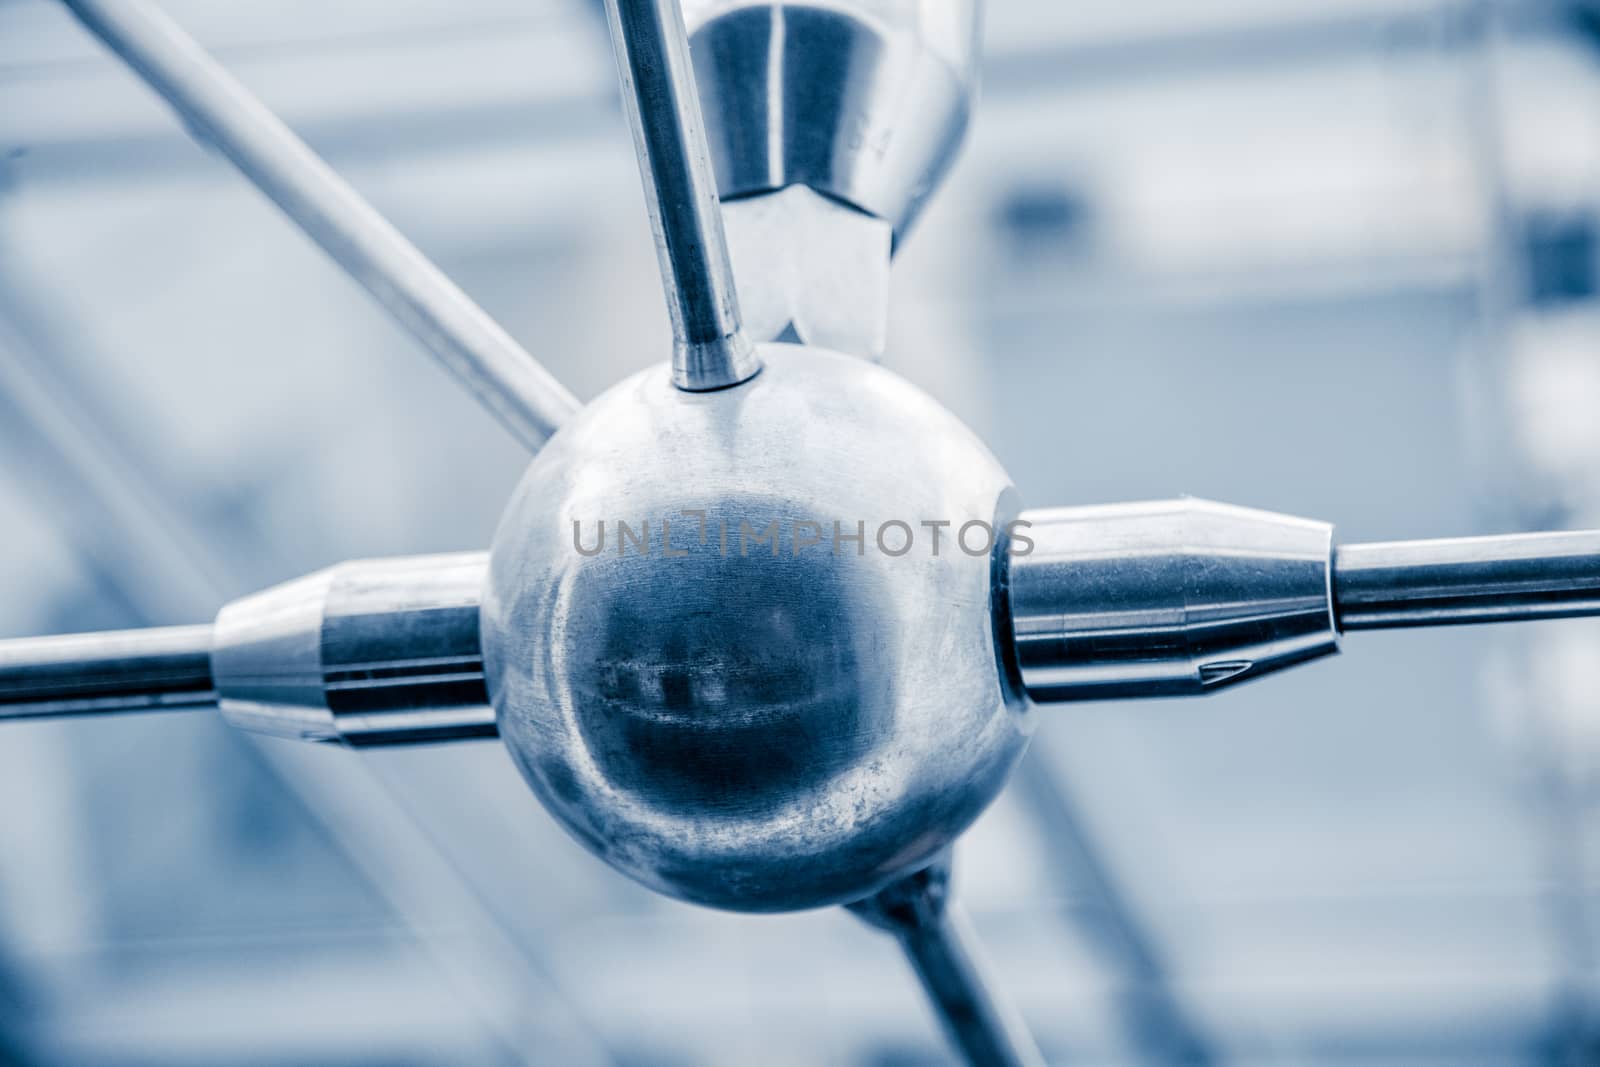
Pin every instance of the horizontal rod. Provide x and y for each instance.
(1467, 580)
(369, 653)
(159, 669)
(710, 348)
(1164, 598)
(472, 346)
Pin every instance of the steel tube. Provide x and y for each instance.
(943, 953)
(864, 101)
(710, 348)
(1511, 578)
(368, 653)
(942, 948)
(159, 669)
(1164, 598)
(470, 345)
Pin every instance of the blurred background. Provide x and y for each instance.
(1339, 258)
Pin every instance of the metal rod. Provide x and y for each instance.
(472, 346)
(942, 948)
(1164, 598)
(710, 348)
(1468, 579)
(944, 954)
(159, 669)
(371, 653)
(120, 521)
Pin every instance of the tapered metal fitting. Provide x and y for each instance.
(367, 652)
(811, 270)
(1170, 598)
(865, 101)
(829, 126)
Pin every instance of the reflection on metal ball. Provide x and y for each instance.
(741, 643)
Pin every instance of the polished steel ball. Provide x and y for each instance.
(742, 643)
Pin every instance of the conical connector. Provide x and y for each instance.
(368, 652)
(1171, 598)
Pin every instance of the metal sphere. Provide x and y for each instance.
(729, 698)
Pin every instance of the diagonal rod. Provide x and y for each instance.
(472, 346)
(117, 518)
(710, 348)
(944, 953)
(943, 950)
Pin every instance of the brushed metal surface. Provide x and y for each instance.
(811, 270)
(162, 668)
(865, 101)
(710, 349)
(1510, 578)
(370, 652)
(943, 950)
(1166, 598)
(757, 727)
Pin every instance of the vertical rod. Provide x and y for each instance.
(710, 348)
(942, 948)
(472, 346)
